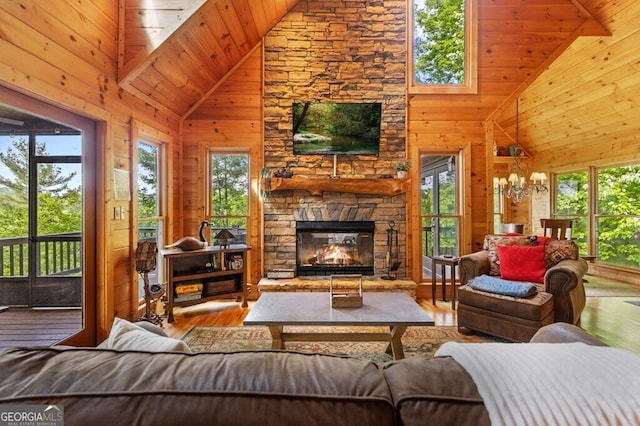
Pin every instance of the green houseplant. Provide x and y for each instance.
(402, 167)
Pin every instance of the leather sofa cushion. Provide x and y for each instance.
(106, 387)
(533, 308)
(561, 332)
(435, 392)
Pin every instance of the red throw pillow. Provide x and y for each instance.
(542, 240)
(522, 263)
(492, 242)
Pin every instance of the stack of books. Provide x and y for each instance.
(189, 290)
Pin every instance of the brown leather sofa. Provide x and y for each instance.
(561, 298)
(104, 387)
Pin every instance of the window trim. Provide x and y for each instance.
(145, 134)
(588, 216)
(208, 189)
(470, 85)
(593, 207)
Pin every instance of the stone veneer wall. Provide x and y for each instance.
(334, 51)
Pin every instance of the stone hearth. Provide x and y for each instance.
(301, 284)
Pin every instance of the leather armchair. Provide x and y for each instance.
(563, 281)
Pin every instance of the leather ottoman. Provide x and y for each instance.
(511, 318)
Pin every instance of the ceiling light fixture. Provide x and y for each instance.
(515, 187)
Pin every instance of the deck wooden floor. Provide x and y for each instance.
(37, 327)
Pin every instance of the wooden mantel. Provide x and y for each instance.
(317, 185)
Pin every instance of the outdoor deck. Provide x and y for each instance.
(37, 327)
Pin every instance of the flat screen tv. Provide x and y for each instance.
(336, 128)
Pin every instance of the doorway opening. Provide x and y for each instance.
(45, 243)
(440, 208)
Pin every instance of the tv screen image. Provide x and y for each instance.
(336, 128)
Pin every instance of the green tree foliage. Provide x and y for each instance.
(147, 180)
(572, 201)
(342, 119)
(434, 209)
(229, 187)
(618, 223)
(59, 204)
(439, 42)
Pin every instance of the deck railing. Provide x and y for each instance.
(58, 254)
(58, 271)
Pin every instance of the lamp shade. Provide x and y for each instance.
(224, 234)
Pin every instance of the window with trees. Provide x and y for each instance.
(50, 167)
(618, 216)
(443, 46)
(572, 202)
(151, 215)
(229, 194)
(606, 220)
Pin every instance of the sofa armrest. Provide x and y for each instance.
(564, 281)
(474, 264)
(561, 332)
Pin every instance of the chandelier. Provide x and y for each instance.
(516, 187)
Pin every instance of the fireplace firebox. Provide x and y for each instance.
(335, 247)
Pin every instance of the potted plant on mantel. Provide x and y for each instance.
(401, 168)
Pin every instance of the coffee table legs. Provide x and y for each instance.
(393, 337)
(276, 336)
(395, 343)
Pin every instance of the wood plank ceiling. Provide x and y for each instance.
(177, 52)
(589, 97)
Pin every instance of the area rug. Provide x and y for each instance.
(633, 302)
(417, 341)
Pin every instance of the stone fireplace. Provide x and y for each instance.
(348, 52)
(288, 209)
(328, 248)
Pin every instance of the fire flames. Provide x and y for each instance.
(334, 254)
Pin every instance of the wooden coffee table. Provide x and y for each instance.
(394, 310)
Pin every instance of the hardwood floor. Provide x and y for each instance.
(614, 321)
(607, 316)
(231, 314)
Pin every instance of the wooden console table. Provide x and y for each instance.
(209, 273)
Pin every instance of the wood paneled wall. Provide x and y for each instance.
(230, 119)
(65, 53)
(466, 139)
(582, 110)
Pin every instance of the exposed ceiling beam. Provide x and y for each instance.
(152, 49)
